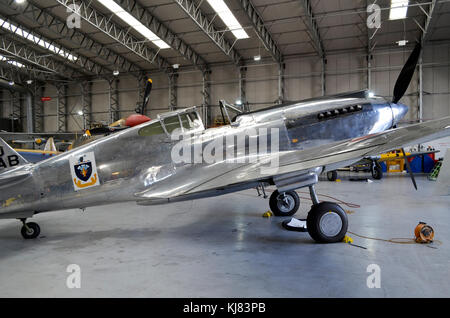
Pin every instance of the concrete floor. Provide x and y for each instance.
(222, 247)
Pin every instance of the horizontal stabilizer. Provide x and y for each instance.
(9, 158)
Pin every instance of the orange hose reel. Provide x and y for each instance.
(424, 233)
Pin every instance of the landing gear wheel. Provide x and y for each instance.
(377, 171)
(332, 175)
(285, 203)
(30, 230)
(327, 222)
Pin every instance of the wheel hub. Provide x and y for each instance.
(285, 203)
(330, 224)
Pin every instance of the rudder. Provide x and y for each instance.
(9, 158)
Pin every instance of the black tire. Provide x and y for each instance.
(332, 175)
(377, 172)
(281, 207)
(32, 232)
(317, 230)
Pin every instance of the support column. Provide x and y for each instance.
(420, 115)
(242, 84)
(206, 92)
(323, 78)
(86, 103)
(61, 108)
(16, 111)
(29, 111)
(38, 92)
(1, 103)
(369, 55)
(281, 83)
(113, 100)
(369, 70)
(173, 100)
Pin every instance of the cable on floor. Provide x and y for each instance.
(348, 204)
(398, 240)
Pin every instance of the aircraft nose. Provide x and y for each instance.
(398, 112)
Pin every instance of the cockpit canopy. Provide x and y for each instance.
(185, 120)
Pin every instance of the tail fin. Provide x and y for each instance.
(50, 145)
(9, 157)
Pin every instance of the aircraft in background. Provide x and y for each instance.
(137, 164)
(33, 155)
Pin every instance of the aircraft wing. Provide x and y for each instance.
(22, 137)
(340, 153)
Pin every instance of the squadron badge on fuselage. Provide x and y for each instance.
(84, 171)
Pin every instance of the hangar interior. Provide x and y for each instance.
(66, 65)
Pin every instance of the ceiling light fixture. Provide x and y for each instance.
(29, 82)
(115, 72)
(398, 9)
(11, 83)
(134, 23)
(257, 57)
(228, 18)
(402, 42)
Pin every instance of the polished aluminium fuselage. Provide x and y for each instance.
(129, 164)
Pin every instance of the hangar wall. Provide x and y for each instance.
(344, 72)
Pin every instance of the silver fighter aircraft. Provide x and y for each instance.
(313, 136)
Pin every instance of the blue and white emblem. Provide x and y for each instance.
(84, 171)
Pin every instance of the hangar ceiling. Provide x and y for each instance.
(35, 34)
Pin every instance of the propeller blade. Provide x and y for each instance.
(148, 89)
(411, 174)
(403, 80)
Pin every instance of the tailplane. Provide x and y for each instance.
(9, 158)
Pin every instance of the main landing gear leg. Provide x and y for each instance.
(29, 230)
(326, 222)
